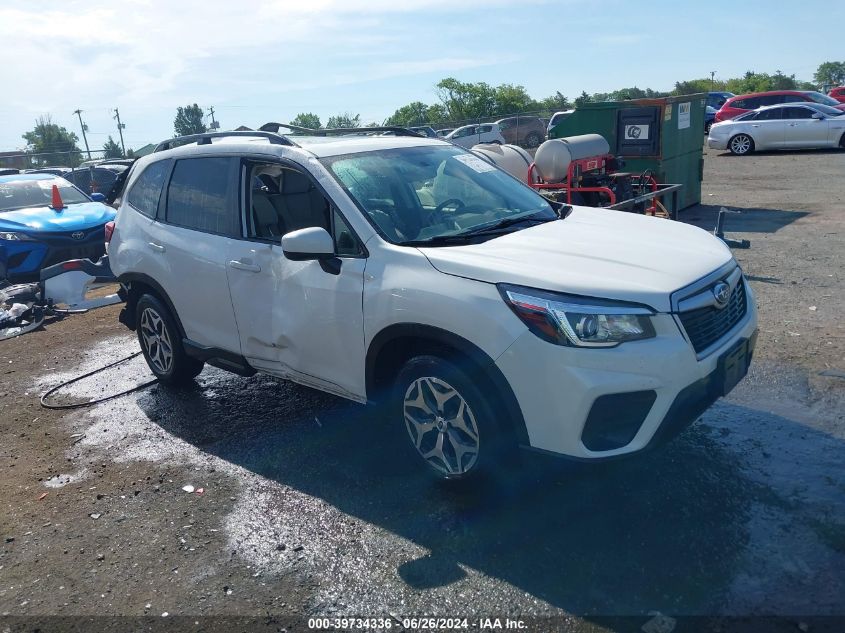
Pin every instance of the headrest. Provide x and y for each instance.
(268, 182)
(294, 182)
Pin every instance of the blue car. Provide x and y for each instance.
(34, 234)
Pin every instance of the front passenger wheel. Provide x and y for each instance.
(161, 343)
(741, 144)
(450, 424)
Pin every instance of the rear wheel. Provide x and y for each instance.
(533, 140)
(842, 141)
(161, 343)
(741, 144)
(450, 424)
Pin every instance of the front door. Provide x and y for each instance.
(301, 320)
(802, 130)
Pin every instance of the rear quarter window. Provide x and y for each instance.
(146, 190)
(202, 195)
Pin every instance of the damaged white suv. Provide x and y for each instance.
(408, 271)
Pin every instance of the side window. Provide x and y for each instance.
(283, 200)
(752, 103)
(506, 124)
(202, 196)
(486, 128)
(345, 242)
(147, 188)
(770, 100)
(770, 115)
(798, 113)
(739, 103)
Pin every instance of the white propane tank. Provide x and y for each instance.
(553, 157)
(510, 158)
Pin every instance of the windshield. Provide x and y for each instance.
(419, 194)
(20, 194)
(823, 99)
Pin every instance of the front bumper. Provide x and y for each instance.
(600, 403)
(24, 260)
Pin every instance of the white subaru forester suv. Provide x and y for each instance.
(408, 271)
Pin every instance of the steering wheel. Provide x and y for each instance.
(437, 213)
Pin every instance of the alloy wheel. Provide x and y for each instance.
(740, 144)
(156, 340)
(441, 425)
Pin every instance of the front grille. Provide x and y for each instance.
(89, 251)
(707, 325)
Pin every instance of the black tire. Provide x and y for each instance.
(741, 144)
(707, 127)
(157, 333)
(488, 454)
(533, 140)
(842, 141)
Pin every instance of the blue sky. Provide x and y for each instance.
(264, 60)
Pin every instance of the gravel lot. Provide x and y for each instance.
(306, 510)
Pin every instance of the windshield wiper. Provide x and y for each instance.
(496, 228)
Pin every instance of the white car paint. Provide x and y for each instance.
(295, 320)
(783, 126)
(469, 135)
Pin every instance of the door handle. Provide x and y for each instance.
(755, 125)
(158, 248)
(253, 268)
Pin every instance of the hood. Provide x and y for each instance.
(593, 252)
(73, 217)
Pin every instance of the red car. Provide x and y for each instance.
(741, 104)
(838, 94)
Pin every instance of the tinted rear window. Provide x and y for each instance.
(147, 189)
(202, 195)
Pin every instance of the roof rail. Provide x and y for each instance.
(398, 131)
(205, 138)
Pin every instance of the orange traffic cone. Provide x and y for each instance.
(57, 199)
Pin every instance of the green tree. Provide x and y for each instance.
(465, 101)
(510, 99)
(694, 86)
(130, 153)
(111, 149)
(343, 121)
(830, 74)
(415, 113)
(582, 99)
(50, 144)
(761, 82)
(188, 120)
(307, 119)
(555, 103)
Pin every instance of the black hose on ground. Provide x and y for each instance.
(79, 405)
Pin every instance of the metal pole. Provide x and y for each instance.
(214, 125)
(82, 125)
(120, 127)
(712, 79)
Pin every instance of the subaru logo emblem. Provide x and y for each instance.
(78, 235)
(722, 294)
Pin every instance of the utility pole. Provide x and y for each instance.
(120, 127)
(214, 124)
(712, 79)
(84, 127)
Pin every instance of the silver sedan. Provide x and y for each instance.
(786, 126)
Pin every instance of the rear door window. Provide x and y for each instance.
(146, 191)
(775, 114)
(202, 195)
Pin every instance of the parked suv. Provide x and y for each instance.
(525, 131)
(408, 271)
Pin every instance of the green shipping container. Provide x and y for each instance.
(665, 136)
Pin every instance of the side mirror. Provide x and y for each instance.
(818, 116)
(97, 197)
(306, 244)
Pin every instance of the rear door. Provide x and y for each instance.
(191, 240)
(802, 130)
(767, 129)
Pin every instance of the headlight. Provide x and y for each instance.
(579, 321)
(15, 237)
